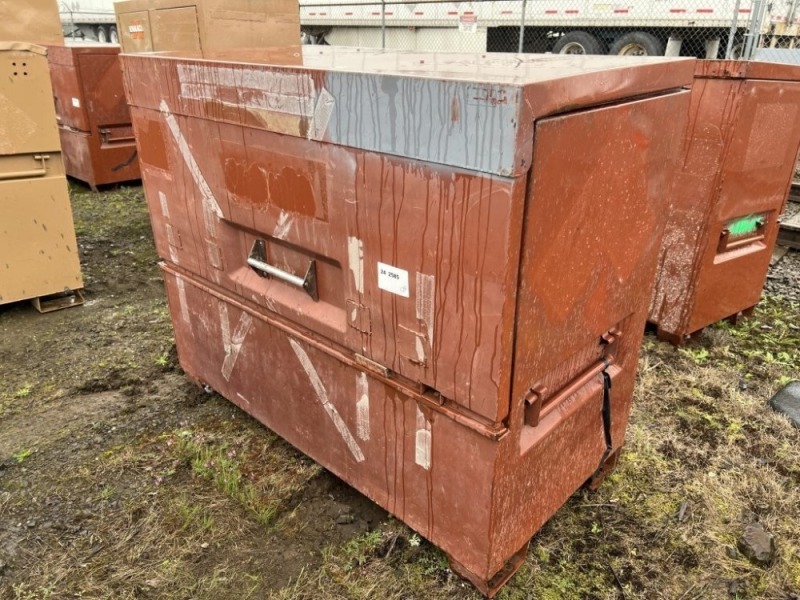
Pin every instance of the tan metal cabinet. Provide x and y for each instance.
(206, 25)
(38, 250)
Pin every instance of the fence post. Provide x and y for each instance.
(754, 32)
(734, 29)
(522, 26)
(383, 24)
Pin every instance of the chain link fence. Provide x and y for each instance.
(701, 28)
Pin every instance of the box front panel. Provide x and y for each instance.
(410, 459)
(135, 34)
(37, 237)
(412, 264)
(175, 29)
(26, 104)
(758, 167)
(595, 215)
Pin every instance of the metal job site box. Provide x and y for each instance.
(739, 160)
(34, 21)
(417, 268)
(93, 116)
(206, 25)
(38, 251)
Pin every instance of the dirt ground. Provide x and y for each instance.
(119, 479)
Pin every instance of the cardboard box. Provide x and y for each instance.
(206, 25)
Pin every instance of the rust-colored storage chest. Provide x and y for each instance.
(38, 251)
(93, 116)
(206, 25)
(739, 160)
(418, 268)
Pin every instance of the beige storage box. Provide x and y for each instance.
(38, 250)
(206, 25)
(34, 21)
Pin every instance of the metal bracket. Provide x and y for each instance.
(258, 261)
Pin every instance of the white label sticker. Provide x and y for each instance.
(393, 280)
(76, 103)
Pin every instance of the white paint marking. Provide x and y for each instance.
(232, 343)
(243, 399)
(420, 348)
(247, 87)
(162, 198)
(362, 406)
(211, 209)
(426, 290)
(322, 115)
(355, 259)
(184, 306)
(423, 449)
(284, 225)
(322, 396)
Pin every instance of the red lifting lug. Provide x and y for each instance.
(533, 405)
(610, 336)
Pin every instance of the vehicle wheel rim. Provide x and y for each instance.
(633, 49)
(573, 48)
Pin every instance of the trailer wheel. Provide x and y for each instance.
(113, 36)
(637, 43)
(578, 42)
(102, 36)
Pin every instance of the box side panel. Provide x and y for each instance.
(713, 110)
(414, 264)
(757, 171)
(26, 104)
(30, 21)
(68, 93)
(594, 221)
(414, 462)
(37, 237)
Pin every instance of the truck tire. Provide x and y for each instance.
(102, 35)
(113, 36)
(637, 43)
(578, 42)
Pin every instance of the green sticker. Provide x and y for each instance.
(745, 225)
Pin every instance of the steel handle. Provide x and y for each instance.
(28, 174)
(537, 408)
(257, 260)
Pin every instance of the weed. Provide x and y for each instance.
(21, 455)
(22, 392)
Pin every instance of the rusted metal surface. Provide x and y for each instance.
(476, 312)
(739, 158)
(93, 115)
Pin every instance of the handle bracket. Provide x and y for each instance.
(258, 262)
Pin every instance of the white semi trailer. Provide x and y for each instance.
(643, 27)
(648, 27)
